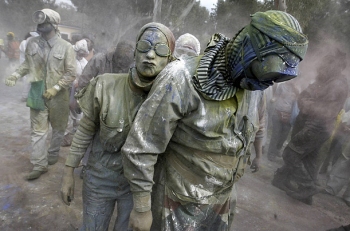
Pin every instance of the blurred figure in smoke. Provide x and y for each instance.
(11, 49)
(187, 45)
(22, 52)
(319, 105)
(82, 51)
(340, 174)
(202, 114)
(50, 61)
(283, 101)
(109, 104)
(90, 43)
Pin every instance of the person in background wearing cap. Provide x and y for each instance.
(313, 126)
(50, 61)
(22, 50)
(202, 116)
(109, 104)
(81, 49)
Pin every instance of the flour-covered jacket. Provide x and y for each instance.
(52, 61)
(109, 107)
(205, 143)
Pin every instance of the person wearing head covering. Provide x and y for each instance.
(117, 60)
(12, 48)
(50, 62)
(81, 49)
(313, 126)
(202, 116)
(109, 104)
(187, 45)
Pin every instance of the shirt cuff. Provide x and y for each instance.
(142, 201)
(72, 161)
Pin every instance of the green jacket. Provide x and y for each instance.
(206, 144)
(109, 107)
(52, 61)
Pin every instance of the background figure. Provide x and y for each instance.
(22, 50)
(339, 176)
(53, 69)
(91, 46)
(82, 51)
(313, 126)
(117, 60)
(109, 104)
(283, 100)
(188, 45)
(11, 50)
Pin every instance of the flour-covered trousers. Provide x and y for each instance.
(340, 177)
(55, 114)
(103, 189)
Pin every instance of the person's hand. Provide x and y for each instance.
(255, 165)
(67, 185)
(11, 81)
(50, 93)
(140, 221)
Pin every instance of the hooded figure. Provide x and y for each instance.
(188, 45)
(109, 104)
(201, 117)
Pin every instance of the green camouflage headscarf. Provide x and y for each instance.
(220, 69)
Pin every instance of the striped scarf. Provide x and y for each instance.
(224, 61)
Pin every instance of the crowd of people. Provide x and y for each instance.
(164, 131)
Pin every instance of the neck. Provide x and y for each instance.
(139, 83)
(48, 36)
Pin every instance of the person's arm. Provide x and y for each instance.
(21, 71)
(81, 140)
(261, 133)
(90, 71)
(150, 134)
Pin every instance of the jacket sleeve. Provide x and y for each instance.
(88, 125)
(23, 69)
(70, 68)
(90, 71)
(151, 132)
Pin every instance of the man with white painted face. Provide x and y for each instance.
(202, 116)
(50, 61)
(109, 104)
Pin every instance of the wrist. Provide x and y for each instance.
(68, 170)
(57, 87)
(142, 202)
